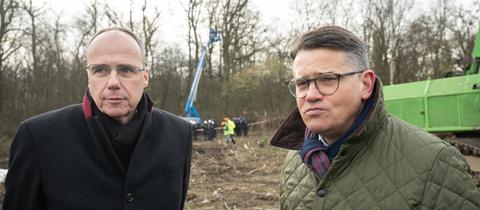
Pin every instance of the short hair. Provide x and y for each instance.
(124, 30)
(334, 37)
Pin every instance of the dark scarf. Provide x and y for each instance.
(317, 155)
(314, 154)
(122, 137)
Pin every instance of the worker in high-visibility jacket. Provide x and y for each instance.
(228, 130)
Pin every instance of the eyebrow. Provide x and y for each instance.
(315, 74)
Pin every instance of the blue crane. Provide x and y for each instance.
(190, 109)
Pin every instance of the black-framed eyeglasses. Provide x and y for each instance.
(326, 83)
(125, 71)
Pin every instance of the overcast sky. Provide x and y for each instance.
(173, 22)
(277, 14)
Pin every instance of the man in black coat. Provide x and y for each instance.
(113, 151)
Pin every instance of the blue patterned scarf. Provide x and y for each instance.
(316, 154)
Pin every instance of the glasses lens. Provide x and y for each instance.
(327, 83)
(298, 87)
(100, 70)
(126, 71)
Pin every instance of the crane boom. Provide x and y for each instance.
(190, 109)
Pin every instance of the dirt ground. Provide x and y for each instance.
(474, 162)
(241, 176)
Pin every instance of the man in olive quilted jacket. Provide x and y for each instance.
(347, 152)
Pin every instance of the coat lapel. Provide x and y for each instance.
(104, 149)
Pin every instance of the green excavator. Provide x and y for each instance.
(446, 105)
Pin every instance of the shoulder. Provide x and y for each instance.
(400, 143)
(47, 125)
(408, 138)
(422, 150)
(450, 177)
(164, 117)
(58, 116)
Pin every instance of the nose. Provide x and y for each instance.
(312, 93)
(113, 81)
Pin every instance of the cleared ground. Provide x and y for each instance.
(474, 162)
(241, 176)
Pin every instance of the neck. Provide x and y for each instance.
(331, 138)
(125, 119)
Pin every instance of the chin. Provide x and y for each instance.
(316, 126)
(116, 113)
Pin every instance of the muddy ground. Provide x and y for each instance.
(241, 176)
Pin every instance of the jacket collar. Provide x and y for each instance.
(87, 105)
(290, 135)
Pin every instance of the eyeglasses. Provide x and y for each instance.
(124, 71)
(326, 84)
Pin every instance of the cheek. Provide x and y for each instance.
(135, 92)
(95, 91)
(347, 105)
(300, 104)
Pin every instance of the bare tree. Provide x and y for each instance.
(464, 26)
(113, 17)
(33, 13)
(193, 17)
(86, 25)
(150, 25)
(308, 14)
(8, 33)
(8, 38)
(384, 24)
(240, 35)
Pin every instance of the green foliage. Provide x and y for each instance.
(259, 90)
(263, 142)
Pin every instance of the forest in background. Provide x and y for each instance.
(42, 54)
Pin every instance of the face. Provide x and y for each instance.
(114, 95)
(331, 115)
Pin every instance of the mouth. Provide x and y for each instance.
(314, 111)
(114, 99)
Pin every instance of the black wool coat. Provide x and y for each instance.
(63, 160)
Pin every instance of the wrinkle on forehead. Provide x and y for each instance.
(113, 43)
(321, 60)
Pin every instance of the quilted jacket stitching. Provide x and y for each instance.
(344, 200)
(297, 167)
(449, 168)
(383, 172)
(288, 193)
(404, 157)
(395, 188)
(353, 192)
(429, 175)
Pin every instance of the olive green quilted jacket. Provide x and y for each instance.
(385, 164)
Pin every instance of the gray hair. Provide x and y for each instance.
(334, 37)
(124, 30)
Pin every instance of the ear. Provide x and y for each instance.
(145, 78)
(368, 81)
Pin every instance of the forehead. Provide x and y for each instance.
(112, 44)
(321, 60)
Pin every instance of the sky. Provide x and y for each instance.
(174, 18)
(273, 13)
